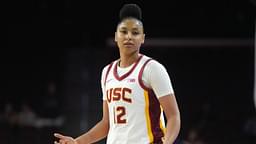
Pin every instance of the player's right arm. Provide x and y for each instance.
(98, 132)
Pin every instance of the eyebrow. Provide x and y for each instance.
(125, 28)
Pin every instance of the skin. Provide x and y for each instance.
(129, 36)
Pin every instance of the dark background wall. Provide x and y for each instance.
(63, 43)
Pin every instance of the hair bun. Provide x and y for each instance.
(130, 10)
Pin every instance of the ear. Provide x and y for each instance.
(115, 36)
(143, 39)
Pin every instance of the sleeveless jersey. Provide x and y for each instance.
(135, 114)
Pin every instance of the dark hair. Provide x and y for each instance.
(130, 11)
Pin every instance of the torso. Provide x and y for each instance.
(134, 110)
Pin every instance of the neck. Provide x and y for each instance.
(127, 60)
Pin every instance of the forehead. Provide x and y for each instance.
(130, 23)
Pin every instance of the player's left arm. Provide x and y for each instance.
(172, 114)
(160, 82)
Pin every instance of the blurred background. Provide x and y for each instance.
(57, 49)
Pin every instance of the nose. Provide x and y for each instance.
(129, 35)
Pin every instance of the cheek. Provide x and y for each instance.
(119, 40)
(139, 41)
(119, 37)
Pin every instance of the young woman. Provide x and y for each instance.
(136, 92)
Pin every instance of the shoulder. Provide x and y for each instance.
(154, 64)
(107, 67)
(152, 61)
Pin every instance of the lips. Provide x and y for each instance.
(128, 44)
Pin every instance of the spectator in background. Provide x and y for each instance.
(27, 117)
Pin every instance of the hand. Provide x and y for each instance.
(165, 141)
(64, 139)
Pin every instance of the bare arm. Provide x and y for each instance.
(98, 132)
(172, 114)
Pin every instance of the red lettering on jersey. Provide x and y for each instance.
(119, 94)
(122, 113)
(127, 90)
(109, 95)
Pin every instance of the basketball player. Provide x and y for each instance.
(136, 92)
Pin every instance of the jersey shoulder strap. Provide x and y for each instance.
(108, 70)
(141, 73)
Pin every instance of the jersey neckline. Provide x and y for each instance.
(128, 73)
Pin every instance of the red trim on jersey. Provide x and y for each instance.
(154, 114)
(154, 109)
(126, 74)
(140, 76)
(109, 67)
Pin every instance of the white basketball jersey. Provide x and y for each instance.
(135, 114)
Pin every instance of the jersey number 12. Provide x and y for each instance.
(119, 114)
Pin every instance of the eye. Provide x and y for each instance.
(135, 32)
(123, 31)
